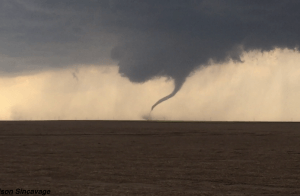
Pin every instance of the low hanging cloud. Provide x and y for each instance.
(148, 39)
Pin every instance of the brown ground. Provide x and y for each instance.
(151, 158)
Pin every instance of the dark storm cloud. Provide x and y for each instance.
(39, 34)
(147, 38)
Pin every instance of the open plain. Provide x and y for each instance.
(151, 158)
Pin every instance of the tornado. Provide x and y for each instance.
(178, 84)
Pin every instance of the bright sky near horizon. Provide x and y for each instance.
(233, 60)
(259, 89)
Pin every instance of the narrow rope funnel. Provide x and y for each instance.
(178, 85)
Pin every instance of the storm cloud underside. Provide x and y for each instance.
(148, 38)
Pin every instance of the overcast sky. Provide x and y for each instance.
(114, 59)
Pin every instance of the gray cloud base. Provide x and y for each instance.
(147, 38)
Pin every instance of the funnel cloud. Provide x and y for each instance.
(147, 39)
(178, 84)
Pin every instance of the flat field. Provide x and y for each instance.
(151, 158)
